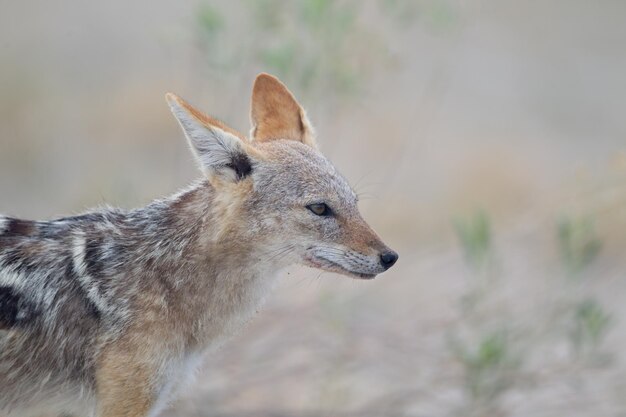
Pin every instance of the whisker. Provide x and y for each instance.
(279, 250)
(366, 196)
(280, 254)
(333, 250)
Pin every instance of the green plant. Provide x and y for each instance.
(590, 325)
(490, 359)
(578, 244)
(588, 322)
(319, 46)
(474, 234)
(489, 364)
(209, 20)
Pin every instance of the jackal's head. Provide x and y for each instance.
(282, 194)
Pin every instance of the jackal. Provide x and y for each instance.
(105, 313)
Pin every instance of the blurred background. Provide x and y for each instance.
(488, 142)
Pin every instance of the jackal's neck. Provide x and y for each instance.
(195, 228)
(212, 266)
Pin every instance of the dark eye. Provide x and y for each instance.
(320, 209)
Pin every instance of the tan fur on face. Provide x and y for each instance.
(275, 113)
(360, 237)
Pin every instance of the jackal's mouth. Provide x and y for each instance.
(319, 262)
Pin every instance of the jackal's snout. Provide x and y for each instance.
(360, 236)
(350, 248)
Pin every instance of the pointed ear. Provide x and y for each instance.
(275, 113)
(220, 150)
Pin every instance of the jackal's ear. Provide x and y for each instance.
(275, 113)
(219, 149)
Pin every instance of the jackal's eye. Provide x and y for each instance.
(320, 209)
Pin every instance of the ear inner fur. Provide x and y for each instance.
(276, 114)
(213, 146)
(206, 119)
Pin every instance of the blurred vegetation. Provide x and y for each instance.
(310, 44)
(492, 345)
(483, 343)
(588, 322)
(322, 48)
(578, 244)
(590, 326)
(490, 368)
(474, 234)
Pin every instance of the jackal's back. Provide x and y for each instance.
(52, 307)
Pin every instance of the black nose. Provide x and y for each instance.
(387, 259)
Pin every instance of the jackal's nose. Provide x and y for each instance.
(387, 259)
